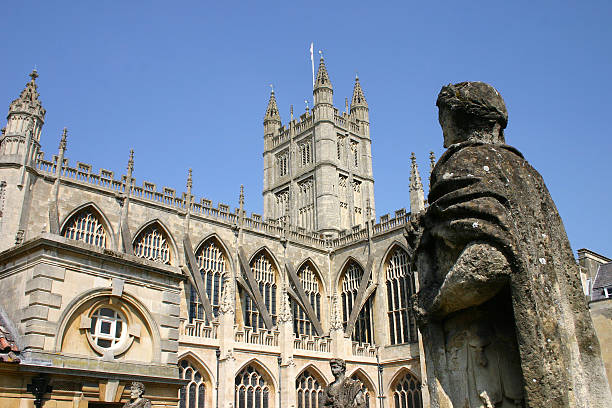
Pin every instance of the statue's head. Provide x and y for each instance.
(136, 390)
(471, 111)
(338, 366)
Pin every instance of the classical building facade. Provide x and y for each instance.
(105, 280)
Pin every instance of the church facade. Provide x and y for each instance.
(105, 280)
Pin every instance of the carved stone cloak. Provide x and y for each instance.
(485, 193)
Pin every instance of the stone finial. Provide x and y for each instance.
(346, 105)
(130, 167)
(63, 140)
(241, 197)
(291, 109)
(307, 108)
(335, 322)
(417, 195)
(432, 162)
(28, 101)
(34, 74)
(285, 314)
(189, 181)
(358, 100)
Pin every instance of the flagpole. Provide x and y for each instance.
(312, 63)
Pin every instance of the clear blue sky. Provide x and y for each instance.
(186, 85)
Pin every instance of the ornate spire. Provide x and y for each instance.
(189, 182)
(359, 100)
(28, 101)
(322, 80)
(62, 144)
(417, 195)
(272, 114)
(130, 167)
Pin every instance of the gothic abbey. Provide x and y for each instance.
(105, 280)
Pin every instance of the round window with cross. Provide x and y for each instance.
(108, 328)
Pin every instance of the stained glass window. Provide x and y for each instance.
(192, 395)
(309, 391)
(407, 393)
(312, 288)
(152, 244)
(252, 390)
(362, 332)
(265, 274)
(85, 226)
(212, 262)
(400, 288)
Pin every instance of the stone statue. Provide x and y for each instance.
(343, 392)
(500, 306)
(137, 390)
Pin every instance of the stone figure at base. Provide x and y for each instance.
(343, 392)
(500, 307)
(137, 390)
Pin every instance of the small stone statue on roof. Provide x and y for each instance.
(137, 390)
(500, 307)
(343, 392)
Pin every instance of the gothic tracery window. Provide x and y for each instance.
(305, 153)
(252, 390)
(192, 395)
(309, 391)
(152, 244)
(367, 394)
(265, 274)
(362, 332)
(211, 259)
(400, 288)
(86, 226)
(312, 288)
(282, 161)
(407, 393)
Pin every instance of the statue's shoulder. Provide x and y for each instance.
(459, 151)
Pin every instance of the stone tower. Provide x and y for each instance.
(19, 148)
(318, 168)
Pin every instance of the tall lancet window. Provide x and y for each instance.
(192, 395)
(86, 226)
(212, 262)
(265, 274)
(309, 391)
(362, 332)
(407, 392)
(152, 244)
(400, 288)
(252, 390)
(312, 287)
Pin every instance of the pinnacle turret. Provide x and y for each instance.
(272, 114)
(29, 102)
(359, 99)
(417, 195)
(322, 80)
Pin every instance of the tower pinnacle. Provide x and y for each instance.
(272, 114)
(417, 195)
(359, 99)
(322, 80)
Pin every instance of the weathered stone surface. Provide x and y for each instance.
(503, 317)
(137, 400)
(343, 392)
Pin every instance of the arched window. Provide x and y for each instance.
(407, 393)
(152, 244)
(212, 262)
(362, 332)
(400, 288)
(312, 287)
(265, 274)
(252, 390)
(367, 393)
(309, 391)
(86, 226)
(192, 395)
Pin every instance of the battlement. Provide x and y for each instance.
(105, 180)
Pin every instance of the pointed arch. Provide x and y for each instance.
(198, 391)
(310, 387)
(400, 285)
(80, 225)
(318, 374)
(213, 261)
(221, 242)
(317, 271)
(262, 369)
(312, 288)
(405, 390)
(147, 244)
(395, 244)
(369, 389)
(342, 270)
(265, 270)
(349, 286)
